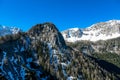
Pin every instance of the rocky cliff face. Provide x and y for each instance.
(41, 54)
(48, 33)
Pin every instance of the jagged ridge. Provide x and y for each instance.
(4, 30)
(100, 31)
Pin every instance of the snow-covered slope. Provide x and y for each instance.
(4, 30)
(72, 33)
(100, 31)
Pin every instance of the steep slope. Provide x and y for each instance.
(4, 30)
(41, 54)
(100, 31)
(26, 53)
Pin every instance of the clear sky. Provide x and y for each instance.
(63, 13)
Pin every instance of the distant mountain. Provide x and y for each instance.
(42, 54)
(100, 41)
(100, 31)
(4, 30)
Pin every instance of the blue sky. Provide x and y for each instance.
(63, 13)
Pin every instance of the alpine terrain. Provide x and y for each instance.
(100, 31)
(42, 54)
(100, 41)
(4, 30)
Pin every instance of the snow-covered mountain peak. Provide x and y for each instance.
(4, 30)
(99, 31)
(1, 26)
(107, 24)
(72, 33)
(113, 21)
(74, 29)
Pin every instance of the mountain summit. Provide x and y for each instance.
(47, 32)
(100, 31)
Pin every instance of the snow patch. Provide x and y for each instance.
(10, 75)
(15, 50)
(2, 63)
(74, 29)
(29, 60)
(22, 49)
(70, 78)
(50, 51)
(22, 73)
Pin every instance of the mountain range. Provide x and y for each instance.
(4, 30)
(41, 53)
(99, 31)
